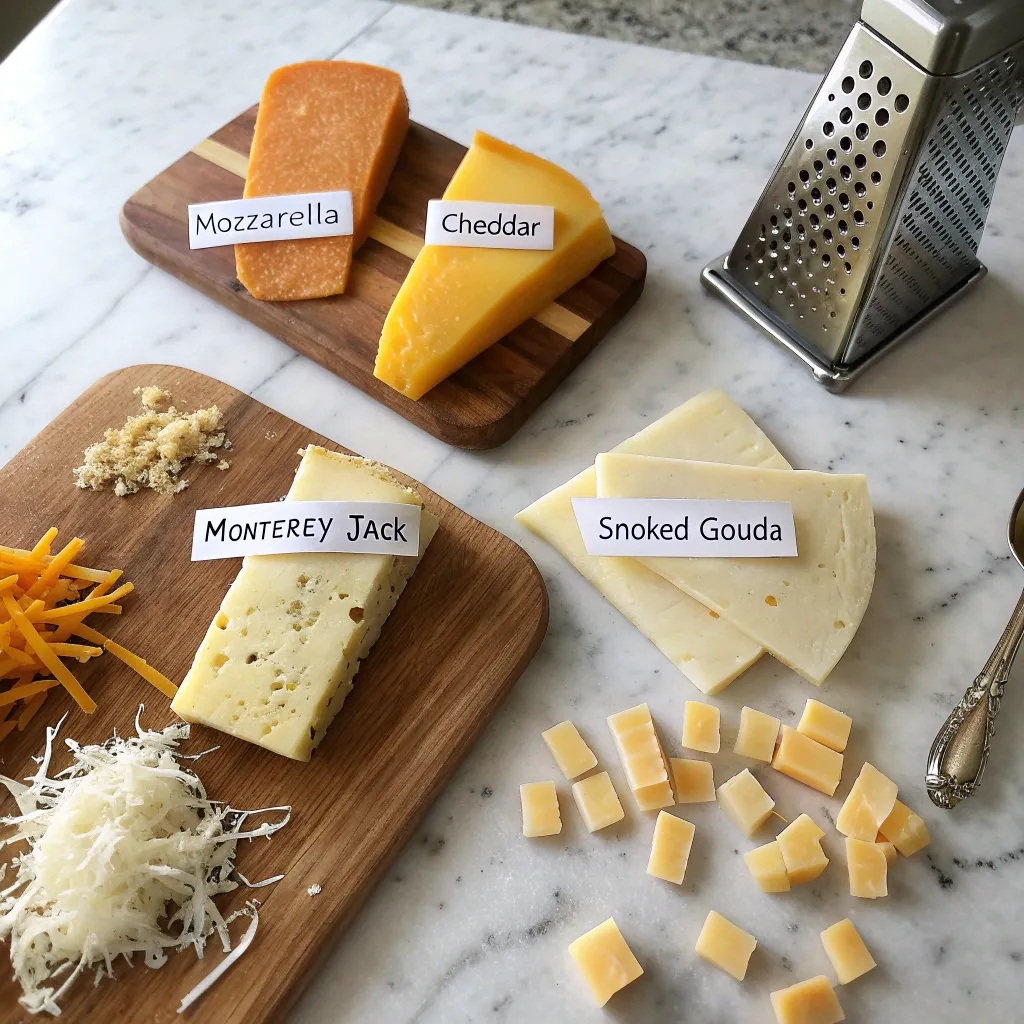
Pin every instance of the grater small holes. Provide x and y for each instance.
(884, 85)
(846, 144)
(844, 200)
(845, 173)
(860, 161)
(841, 251)
(829, 129)
(774, 221)
(787, 237)
(901, 103)
(843, 227)
(842, 291)
(861, 189)
(830, 211)
(855, 242)
(862, 131)
(864, 100)
(815, 222)
(876, 179)
(832, 315)
(878, 149)
(846, 115)
(867, 69)
(858, 218)
(831, 97)
(805, 177)
(819, 168)
(832, 157)
(801, 231)
(881, 118)
(816, 196)
(871, 205)
(802, 206)
(808, 143)
(848, 268)
(813, 246)
(827, 236)
(849, 84)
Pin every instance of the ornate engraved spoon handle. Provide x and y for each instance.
(960, 752)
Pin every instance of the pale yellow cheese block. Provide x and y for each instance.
(605, 960)
(768, 868)
(808, 1002)
(805, 610)
(868, 868)
(694, 780)
(800, 846)
(825, 724)
(280, 656)
(568, 748)
(870, 802)
(702, 727)
(757, 735)
(597, 801)
(744, 800)
(457, 301)
(725, 945)
(846, 949)
(702, 645)
(905, 830)
(670, 848)
(808, 761)
(636, 741)
(540, 809)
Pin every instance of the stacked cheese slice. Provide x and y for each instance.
(714, 617)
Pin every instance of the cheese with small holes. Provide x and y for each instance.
(571, 753)
(605, 960)
(670, 848)
(757, 735)
(280, 656)
(868, 867)
(805, 610)
(808, 761)
(457, 301)
(743, 798)
(322, 126)
(846, 949)
(694, 780)
(800, 846)
(768, 868)
(825, 724)
(597, 802)
(700, 643)
(808, 1002)
(701, 727)
(725, 945)
(870, 802)
(640, 752)
(540, 809)
(905, 830)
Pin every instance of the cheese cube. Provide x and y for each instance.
(825, 724)
(670, 849)
(800, 845)
(757, 735)
(846, 950)
(570, 752)
(281, 655)
(723, 944)
(597, 801)
(808, 1002)
(868, 867)
(889, 850)
(605, 961)
(636, 740)
(905, 830)
(746, 802)
(768, 867)
(870, 802)
(653, 798)
(701, 727)
(540, 809)
(695, 780)
(808, 761)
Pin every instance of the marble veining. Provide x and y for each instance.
(471, 921)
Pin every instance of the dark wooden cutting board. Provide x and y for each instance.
(479, 406)
(468, 623)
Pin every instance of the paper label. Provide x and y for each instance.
(269, 219)
(686, 527)
(291, 527)
(490, 225)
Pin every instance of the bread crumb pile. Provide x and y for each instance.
(152, 448)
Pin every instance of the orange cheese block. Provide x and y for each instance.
(322, 126)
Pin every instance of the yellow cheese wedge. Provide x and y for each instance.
(605, 960)
(670, 848)
(540, 809)
(457, 301)
(870, 802)
(868, 869)
(701, 727)
(808, 761)
(694, 780)
(800, 846)
(768, 868)
(808, 1002)
(757, 735)
(905, 830)
(825, 724)
(846, 949)
(725, 945)
(745, 801)
(597, 801)
(568, 748)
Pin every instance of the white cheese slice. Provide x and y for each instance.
(805, 610)
(279, 657)
(711, 653)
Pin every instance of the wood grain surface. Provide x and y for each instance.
(468, 623)
(479, 406)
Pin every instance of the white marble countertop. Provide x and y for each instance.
(471, 922)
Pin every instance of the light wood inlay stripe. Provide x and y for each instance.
(555, 317)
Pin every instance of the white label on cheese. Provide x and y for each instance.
(686, 527)
(293, 527)
(269, 219)
(489, 225)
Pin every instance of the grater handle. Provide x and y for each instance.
(957, 759)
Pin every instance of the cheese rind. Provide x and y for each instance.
(868, 867)
(571, 753)
(757, 735)
(540, 809)
(702, 727)
(808, 761)
(456, 301)
(870, 802)
(725, 945)
(743, 798)
(905, 830)
(605, 960)
(808, 1002)
(805, 610)
(701, 644)
(597, 802)
(846, 949)
(768, 868)
(825, 724)
(800, 846)
(670, 848)
(636, 741)
(281, 654)
(694, 780)
(322, 126)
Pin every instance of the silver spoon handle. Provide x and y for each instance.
(960, 752)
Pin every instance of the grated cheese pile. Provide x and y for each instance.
(151, 449)
(125, 855)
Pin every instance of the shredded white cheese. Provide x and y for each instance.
(314, 889)
(125, 854)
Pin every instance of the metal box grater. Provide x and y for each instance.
(871, 222)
